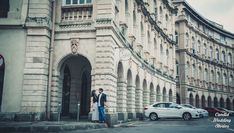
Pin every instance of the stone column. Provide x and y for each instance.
(34, 91)
(121, 107)
(131, 102)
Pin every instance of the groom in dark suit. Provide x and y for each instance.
(101, 105)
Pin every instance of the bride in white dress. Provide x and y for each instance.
(95, 113)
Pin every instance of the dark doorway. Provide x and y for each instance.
(85, 100)
(215, 102)
(177, 98)
(4, 8)
(66, 91)
(2, 69)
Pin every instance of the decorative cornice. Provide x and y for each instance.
(38, 22)
(152, 22)
(204, 60)
(202, 19)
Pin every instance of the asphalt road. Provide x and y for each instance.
(205, 125)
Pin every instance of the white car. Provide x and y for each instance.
(202, 112)
(169, 110)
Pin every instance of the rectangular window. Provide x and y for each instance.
(82, 1)
(68, 2)
(88, 1)
(75, 2)
(4, 8)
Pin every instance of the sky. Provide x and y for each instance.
(219, 11)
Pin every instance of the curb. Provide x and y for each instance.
(51, 128)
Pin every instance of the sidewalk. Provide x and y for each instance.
(50, 126)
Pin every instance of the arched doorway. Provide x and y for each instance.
(130, 93)
(197, 101)
(170, 96)
(203, 101)
(145, 94)
(209, 101)
(164, 95)
(221, 101)
(121, 86)
(158, 99)
(152, 94)
(215, 102)
(2, 70)
(75, 75)
(66, 91)
(138, 98)
(228, 104)
(191, 99)
(177, 98)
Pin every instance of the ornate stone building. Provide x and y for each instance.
(204, 59)
(56, 52)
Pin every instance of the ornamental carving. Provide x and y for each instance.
(74, 46)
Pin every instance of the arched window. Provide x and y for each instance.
(212, 76)
(187, 40)
(2, 70)
(217, 54)
(200, 73)
(4, 8)
(229, 58)
(198, 46)
(194, 71)
(205, 50)
(148, 36)
(211, 53)
(176, 37)
(231, 82)
(205, 75)
(218, 77)
(134, 18)
(177, 68)
(223, 57)
(224, 79)
(193, 46)
(126, 6)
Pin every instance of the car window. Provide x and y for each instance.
(159, 105)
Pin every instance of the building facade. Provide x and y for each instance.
(204, 59)
(66, 48)
(53, 53)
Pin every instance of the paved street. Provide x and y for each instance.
(167, 126)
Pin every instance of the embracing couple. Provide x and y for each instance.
(98, 106)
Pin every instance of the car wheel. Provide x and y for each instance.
(153, 117)
(187, 116)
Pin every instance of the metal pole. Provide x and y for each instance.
(51, 50)
(78, 112)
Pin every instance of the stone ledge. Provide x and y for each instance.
(47, 126)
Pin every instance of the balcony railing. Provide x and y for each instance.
(77, 12)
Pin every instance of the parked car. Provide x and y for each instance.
(169, 110)
(202, 112)
(230, 112)
(212, 111)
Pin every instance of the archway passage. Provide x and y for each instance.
(228, 104)
(177, 98)
(197, 101)
(215, 102)
(170, 96)
(2, 69)
(221, 101)
(191, 99)
(209, 101)
(75, 74)
(203, 101)
(66, 91)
